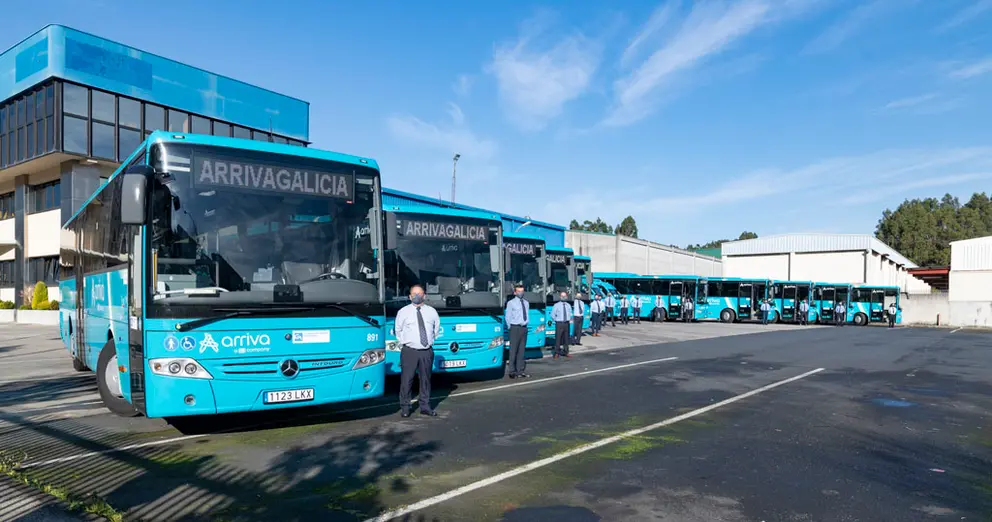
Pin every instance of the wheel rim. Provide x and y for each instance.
(112, 377)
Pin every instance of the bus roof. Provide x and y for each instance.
(560, 250)
(736, 279)
(614, 275)
(883, 287)
(451, 212)
(527, 237)
(666, 276)
(261, 146)
(787, 282)
(821, 283)
(583, 258)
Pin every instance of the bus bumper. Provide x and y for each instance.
(177, 396)
(466, 360)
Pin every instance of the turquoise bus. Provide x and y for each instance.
(456, 255)
(870, 304)
(583, 284)
(786, 296)
(213, 275)
(669, 292)
(825, 298)
(730, 299)
(561, 278)
(526, 263)
(626, 284)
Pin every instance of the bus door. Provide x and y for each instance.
(675, 294)
(878, 305)
(827, 303)
(789, 293)
(745, 299)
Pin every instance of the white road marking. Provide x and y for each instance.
(958, 329)
(417, 506)
(339, 412)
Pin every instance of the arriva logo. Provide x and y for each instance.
(245, 340)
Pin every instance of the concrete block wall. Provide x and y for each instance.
(924, 309)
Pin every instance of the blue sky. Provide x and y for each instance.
(700, 119)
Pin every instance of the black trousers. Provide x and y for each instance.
(637, 315)
(623, 315)
(518, 344)
(419, 362)
(577, 330)
(561, 337)
(597, 322)
(611, 316)
(803, 317)
(892, 320)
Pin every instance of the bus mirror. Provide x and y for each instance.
(494, 252)
(134, 194)
(374, 227)
(389, 238)
(542, 268)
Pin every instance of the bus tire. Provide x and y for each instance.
(727, 316)
(108, 386)
(860, 319)
(773, 317)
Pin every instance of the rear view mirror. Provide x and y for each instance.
(494, 260)
(375, 225)
(134, 194)
(389, 237)
(542, 267)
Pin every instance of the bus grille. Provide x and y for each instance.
(467, 345)
(272, 367)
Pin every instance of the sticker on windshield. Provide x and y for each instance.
(208, 343)
(311, 336)
(171, 343)
(187, 343)
(463, 328)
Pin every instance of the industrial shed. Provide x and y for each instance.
(553, 235)
(840, 258)
(968, 300)
(619, 253)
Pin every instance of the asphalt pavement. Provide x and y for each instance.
(678, 422)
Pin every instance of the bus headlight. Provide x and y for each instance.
(370, 358)
(497, 341)
(393, 346)
(179, 367)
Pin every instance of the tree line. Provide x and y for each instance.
(627, 226)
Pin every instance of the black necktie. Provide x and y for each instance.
(423, 329)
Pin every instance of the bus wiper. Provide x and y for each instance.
(196, 323)
(363, 317)
(487, 311)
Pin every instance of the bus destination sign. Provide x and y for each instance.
(560, 259)
(438, 230)
(223, 172)
(527, 249)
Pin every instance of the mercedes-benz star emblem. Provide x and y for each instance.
(289, 368)
(454, 347)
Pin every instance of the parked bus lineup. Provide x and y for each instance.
(214, 275)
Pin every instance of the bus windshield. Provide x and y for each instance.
(234, 227)
(583, 278)
(559, 275)
(450, 257)
(524, 259)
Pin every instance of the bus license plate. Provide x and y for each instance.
(305, 394)
(454, 364)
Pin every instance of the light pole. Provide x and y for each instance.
(454, 170)
(525, 223)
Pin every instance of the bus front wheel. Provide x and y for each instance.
(108, 382)
(727, 316)
(860, 319)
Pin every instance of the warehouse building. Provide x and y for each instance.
(968, 299)
(836, 258)
(619, 253)
(73, 105)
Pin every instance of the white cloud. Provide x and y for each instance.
(536, 83)
(854, 21)
(450, 137)
(658, 20)
(966, 15)
(878, 194)
(911, 101)
(972, 70)
(463, 85)
(709, 29)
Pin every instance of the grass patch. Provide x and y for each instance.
(90, 504)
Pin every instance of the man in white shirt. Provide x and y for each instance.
(803, 312)
(892, 315)
(624, 309)
(611, 304)
(578, 316)
(561, 314)
(417, 326)
(596, 315)
(636, 303)
(687, 309)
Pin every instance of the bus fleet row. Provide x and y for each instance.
(731, 299)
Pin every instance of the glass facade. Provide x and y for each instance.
(47, 196)
(97, 124)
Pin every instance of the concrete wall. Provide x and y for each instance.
(612, 253)
(42, 231)
(970, 285)
(924, 310)
(7, 234)
(855, 267)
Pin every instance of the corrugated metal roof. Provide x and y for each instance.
(972, 254)
(785, 243)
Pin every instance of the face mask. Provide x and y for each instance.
(417, 298)
(519, 293)
(563, 298)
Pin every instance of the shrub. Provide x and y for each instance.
(39, 301)
(25, 307)
(6, 305)
(53, 305)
